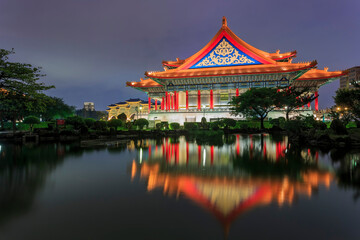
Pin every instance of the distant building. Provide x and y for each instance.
(89, 106)
(353, 75)
(88, 111)
(133, 108)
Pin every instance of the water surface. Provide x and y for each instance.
(236, 187)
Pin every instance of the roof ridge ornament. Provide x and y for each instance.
(224, 21)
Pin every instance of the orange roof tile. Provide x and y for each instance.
(233, 70)
(315, 74)
(242, 45)
(279, 56)
(144, 83)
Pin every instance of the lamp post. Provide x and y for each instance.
(140, 110)
(204, 109)
(137, 112)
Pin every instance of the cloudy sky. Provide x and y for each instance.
(89, 48)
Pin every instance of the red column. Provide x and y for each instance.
(149, 105)
(237, 92)
(317, 101)
(170, 101)
(211, 99)
(187, 100)
(175, 100)
(162, 104)
(155, 104)
(199, 100)
(166, 99)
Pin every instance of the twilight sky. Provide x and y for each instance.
(89, 48)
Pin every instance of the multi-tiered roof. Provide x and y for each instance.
(228, 55)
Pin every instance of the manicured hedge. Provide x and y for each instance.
(190, 125)
(174, 126)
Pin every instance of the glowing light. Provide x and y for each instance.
(141, 153)
(204, 157)
(132, 83)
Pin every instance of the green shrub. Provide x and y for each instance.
(338, 127)
(174, 126)
(122, 117)
(141, 122)
(67, 132)
(203, 124)
(279, 122)
(229, 122)
(162, 125)
(128, 125)
(165, 125)
(295, 126)
(100, 125)
(244, 126)
(113, 129)
(31, 120)
(321, 125)
(190, 125)
(89, 122)
(115, 123)
(84, 130)
(75, 121)
(215, 125)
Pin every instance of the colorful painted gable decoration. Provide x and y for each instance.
(225, 54)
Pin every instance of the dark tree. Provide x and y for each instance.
(256, 102)
(348, 100)
(292, 99)
(141, 122)
(122, 117)
(31, 120)
(55, 108)
(20, 89)
(115, 123)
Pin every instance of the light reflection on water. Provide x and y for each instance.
(225, 176)
(225, 179)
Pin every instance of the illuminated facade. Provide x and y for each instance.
(133, 108)
(203, 84)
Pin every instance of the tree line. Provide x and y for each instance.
(21, 93)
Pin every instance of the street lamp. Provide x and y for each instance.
(137, 112)
(204, 109)
(140, 110)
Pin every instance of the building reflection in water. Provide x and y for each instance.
(229, 179)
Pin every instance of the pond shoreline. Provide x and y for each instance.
(310, 137)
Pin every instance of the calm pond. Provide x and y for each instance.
(236, 187)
